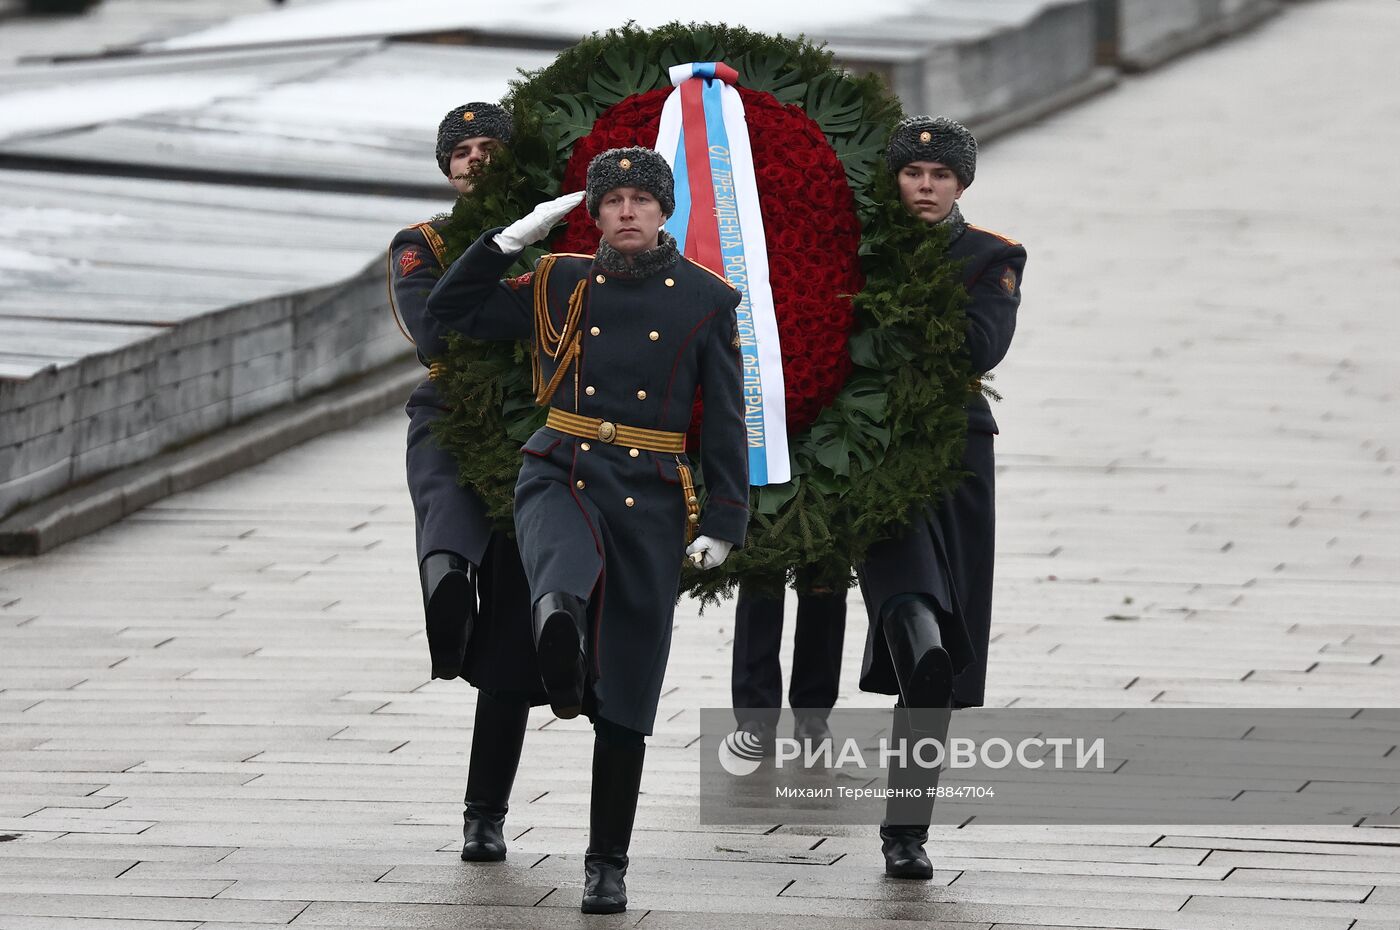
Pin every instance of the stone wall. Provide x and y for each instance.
(70, 424)
(1145, 33)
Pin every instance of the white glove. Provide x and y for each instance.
(708, 552)
(537, 224)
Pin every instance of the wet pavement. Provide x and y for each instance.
(216, 713)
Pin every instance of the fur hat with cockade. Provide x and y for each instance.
(467, 122)
(630, 167)
(934, 138)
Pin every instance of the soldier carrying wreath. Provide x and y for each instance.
(928, 585)
(869, 440)
(462, 558)
(605, 505)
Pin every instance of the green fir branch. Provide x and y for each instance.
(890, 442)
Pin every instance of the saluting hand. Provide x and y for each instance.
(707, 552)
(537, 224)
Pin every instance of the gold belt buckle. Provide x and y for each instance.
(606, 431)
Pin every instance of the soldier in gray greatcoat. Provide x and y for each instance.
(606, 501)
(461, 558)
(928, 587)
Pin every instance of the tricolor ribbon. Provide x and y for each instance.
(705, 137)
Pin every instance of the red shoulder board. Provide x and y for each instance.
(711, 271)
(995, 235)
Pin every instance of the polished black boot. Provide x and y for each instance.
(905, 828)
(497, 737)
(921, 664)
(560, 633)
(449, 604)
(617, 778)
(903, 847)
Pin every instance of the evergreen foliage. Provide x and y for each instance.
(893, 438)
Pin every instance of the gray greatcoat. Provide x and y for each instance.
(947, 549)
(448, 516)
(595, 519)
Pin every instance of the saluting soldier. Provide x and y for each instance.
(460, 556)
(621, 342)
(928, 588)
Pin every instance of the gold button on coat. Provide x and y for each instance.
(670, 282)
(595, 331)
(584, 446)
(589, 390)
(633, 452)
(579, 484)
(641, 395)
(630, 502)
(600, 279)
(653, 335)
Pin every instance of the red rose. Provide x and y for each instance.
(831, 278)
(787, 238)
(824, 222)
(781, 269)
(811, 229)
(770, 180)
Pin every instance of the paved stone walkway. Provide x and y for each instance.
(216, 713)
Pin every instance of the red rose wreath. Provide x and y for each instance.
(813, 233)
(875, 385)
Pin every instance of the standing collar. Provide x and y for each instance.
(643, 264)
(955, 223)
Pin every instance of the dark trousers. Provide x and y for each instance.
(757, 682)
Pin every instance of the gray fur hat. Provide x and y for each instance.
(934, 138)
(466, 122)
(630, 167)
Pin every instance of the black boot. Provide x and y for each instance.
(811, 729)
(449, 604)
(905, 829)
(497, 738)
(903, 847)
(617, 777)
(560, 634)
(921, 664)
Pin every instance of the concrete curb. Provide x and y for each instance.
(1223, 24)
(73, 423)
(90, 507)
(1101, 80)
